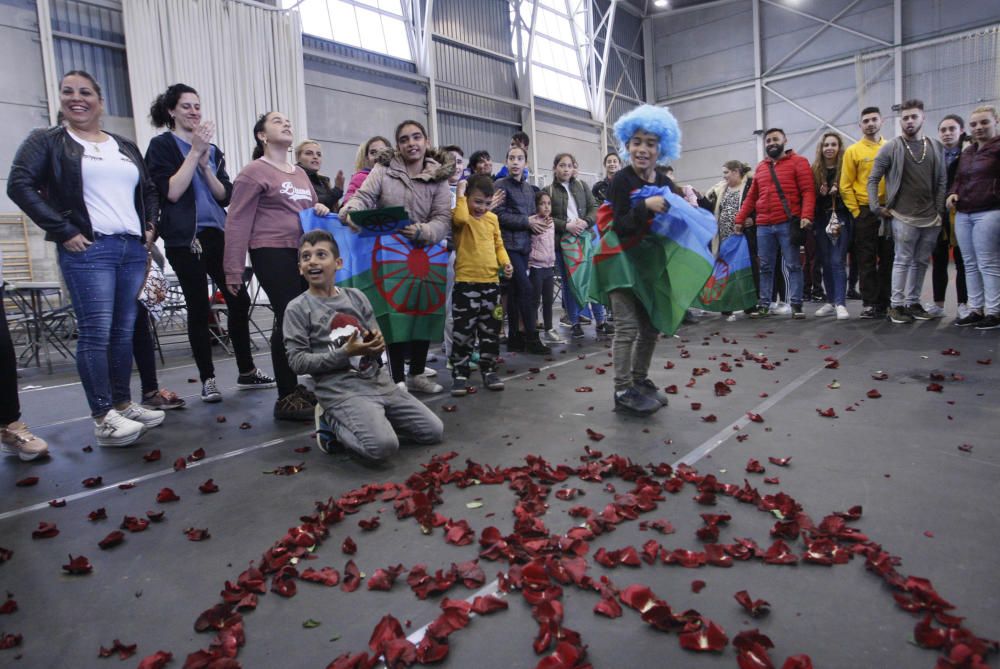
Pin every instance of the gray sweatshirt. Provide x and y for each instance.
(315, 331)
(889, 163)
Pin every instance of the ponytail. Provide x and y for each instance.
(258, 127)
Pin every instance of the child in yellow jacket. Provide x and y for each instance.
(475, 299)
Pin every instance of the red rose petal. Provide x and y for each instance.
(755, 417)
(198, 454)
(985, 361)
(97, 514)
(327, 576)
(584, 389)
(710, 418)
(754, 466)
(112, 540)
(152, 456)
(124, 651)
(485, 605)
(369, 524)
(707, 637)
(697, 586)
(220, 418)
(965, 448)
(245, 426)
(594, 436)
(303, 449)
(157, 660)
(773, 480)
(874, 394)
(208, 487)
(950, 351)
(78, 565)
(695, 406)
(670, 390)
(349, 547)
(781, 462)
(833, 364)
(798, 662)
(827, 413)
(134, 524)
(352, 577)
(195, 534)
(166, 495)
(179, 464)
(449, 408)
(934, 387)
(27, 482)
(755, 607)
(10, 641)
(57, 503)
(92, 482)
(45, 531)
(155, 516)
(608, 607)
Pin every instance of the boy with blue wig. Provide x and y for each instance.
(647, 136)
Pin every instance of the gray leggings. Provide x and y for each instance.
(373, 425)
(634, 339)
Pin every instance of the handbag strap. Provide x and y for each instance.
(781, 193)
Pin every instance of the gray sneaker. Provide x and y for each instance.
(459, 386)
(649, 389)
(632, 401)
(919, 313)
(140, 414)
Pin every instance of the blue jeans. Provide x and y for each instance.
(104, 282)
(979, 238)
(769, 239)
(572, 307)
(519, 298)
(911, 256)
(833, 256)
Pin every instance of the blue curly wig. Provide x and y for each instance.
(655, 120)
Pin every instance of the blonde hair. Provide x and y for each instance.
(361, 157)
(302, 145)
(987, 109)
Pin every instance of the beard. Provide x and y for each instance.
(775, 150)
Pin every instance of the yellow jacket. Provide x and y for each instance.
(479, 250)
(858, 160)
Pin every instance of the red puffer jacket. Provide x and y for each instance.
(977, 180)
(762, 202)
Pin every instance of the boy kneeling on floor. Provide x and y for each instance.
(331, 334)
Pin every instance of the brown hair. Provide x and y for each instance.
(819, 165)
(361, 160)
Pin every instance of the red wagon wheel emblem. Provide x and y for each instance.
(716, 283)
(411, 279)
(572, 252)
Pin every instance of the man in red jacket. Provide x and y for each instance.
(777, 208)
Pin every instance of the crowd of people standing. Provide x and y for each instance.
(885, 207)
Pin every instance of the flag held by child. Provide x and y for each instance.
(731, 286)
(405, 283)
(578, 254)
(665, 266)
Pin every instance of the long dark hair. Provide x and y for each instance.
(258, 127)
(402, 125)
(819, 164)
(159, 111)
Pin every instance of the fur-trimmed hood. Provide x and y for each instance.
(438, 165)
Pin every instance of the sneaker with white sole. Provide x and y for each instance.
(551, 337)
(963, 310)
(826, 310)
(421, 384)
(326, 438)
(934, 311)
(780, 308)
(429, 372)
(17, 439)
(140, 414)
(117, 431)
(842, 313)
(255, 380)
(210, 392)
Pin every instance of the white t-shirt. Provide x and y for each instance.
(572, 213)
(109, 181)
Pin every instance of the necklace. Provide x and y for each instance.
(923, 154)
(284, 168)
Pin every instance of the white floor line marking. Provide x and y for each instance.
(692, 457)
(153, 475)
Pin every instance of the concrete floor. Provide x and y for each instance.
(897, 456)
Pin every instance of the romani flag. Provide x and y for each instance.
(731, 286)
(665, 265)
(406, 284)
(578, 255)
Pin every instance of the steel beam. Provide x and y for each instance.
(818, 19)
(758, 84)
(791, 54)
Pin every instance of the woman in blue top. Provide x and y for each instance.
(190, 176)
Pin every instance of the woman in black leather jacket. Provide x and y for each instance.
(90, 192)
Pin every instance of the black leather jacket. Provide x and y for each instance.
(46, 182)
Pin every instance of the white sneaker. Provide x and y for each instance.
(551, 337)
(421, 384)
(731, 318)
(963, 310)
(842, 314)
(140, 414)
(934, 310)
(116, 431)
(429, 372)
(780, 308)
(826, 310)
(401, 385)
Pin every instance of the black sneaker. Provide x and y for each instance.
(762, 311)
(991, 322)
(868, 313)
(576, 331)
(974, 318)
(632, 401)
(255, 380)
(459, 386)
(515, 343)
(605, 329)
(797, 312)
(294, 406)
(918, 312)
(492, 381)
(649, 389)
(584, 319)
(536, 347)
(899, 315)
(326, 438)
(565, 322)
(881, 312)
(210, 392)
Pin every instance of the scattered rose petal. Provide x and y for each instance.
(198, 454)
(152, 456)
(93, 482)
(449, 408)
(950, 351)
(245, 426)
(287, 470)
(45, 531)
(874, 394)
(773, 480)
(97, 514)
(593, 435)
(302, 449)
(710, 418)
(928, 534)
(220, 418)
(696, 406)
(706, 637)
(697, 586)
(880, 376)
(195, 534)
(755, 417)
(827, 413)
(208, 487)
(327, 576)
(965, 448)
(754, 466)
(179, 464)
(157, 660)
(124, 651)
(57, 503)
(78, 565)
(87, 449)
(985, 361)
(166, 495)
(755, 607)
(781, 462)
(112, 540)
(349, 547)
(584, 389)
(934, 387)
(352, 577)
(27, 482)
(155, 516)
(10, 641)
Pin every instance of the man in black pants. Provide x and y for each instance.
(951, 133)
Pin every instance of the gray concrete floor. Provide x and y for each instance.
(897, 456)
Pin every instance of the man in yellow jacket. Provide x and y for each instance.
(873, 245)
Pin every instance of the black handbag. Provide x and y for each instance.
(796, 234)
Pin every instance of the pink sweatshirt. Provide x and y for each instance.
(264, 213)
(543, 249)
(354, 184)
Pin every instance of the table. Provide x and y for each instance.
(32, 299)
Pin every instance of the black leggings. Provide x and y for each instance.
(543, 281)
(415, 350)
(191, 272)
(10, 406)
(278, 273)
(939, 277)
(144, 351)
